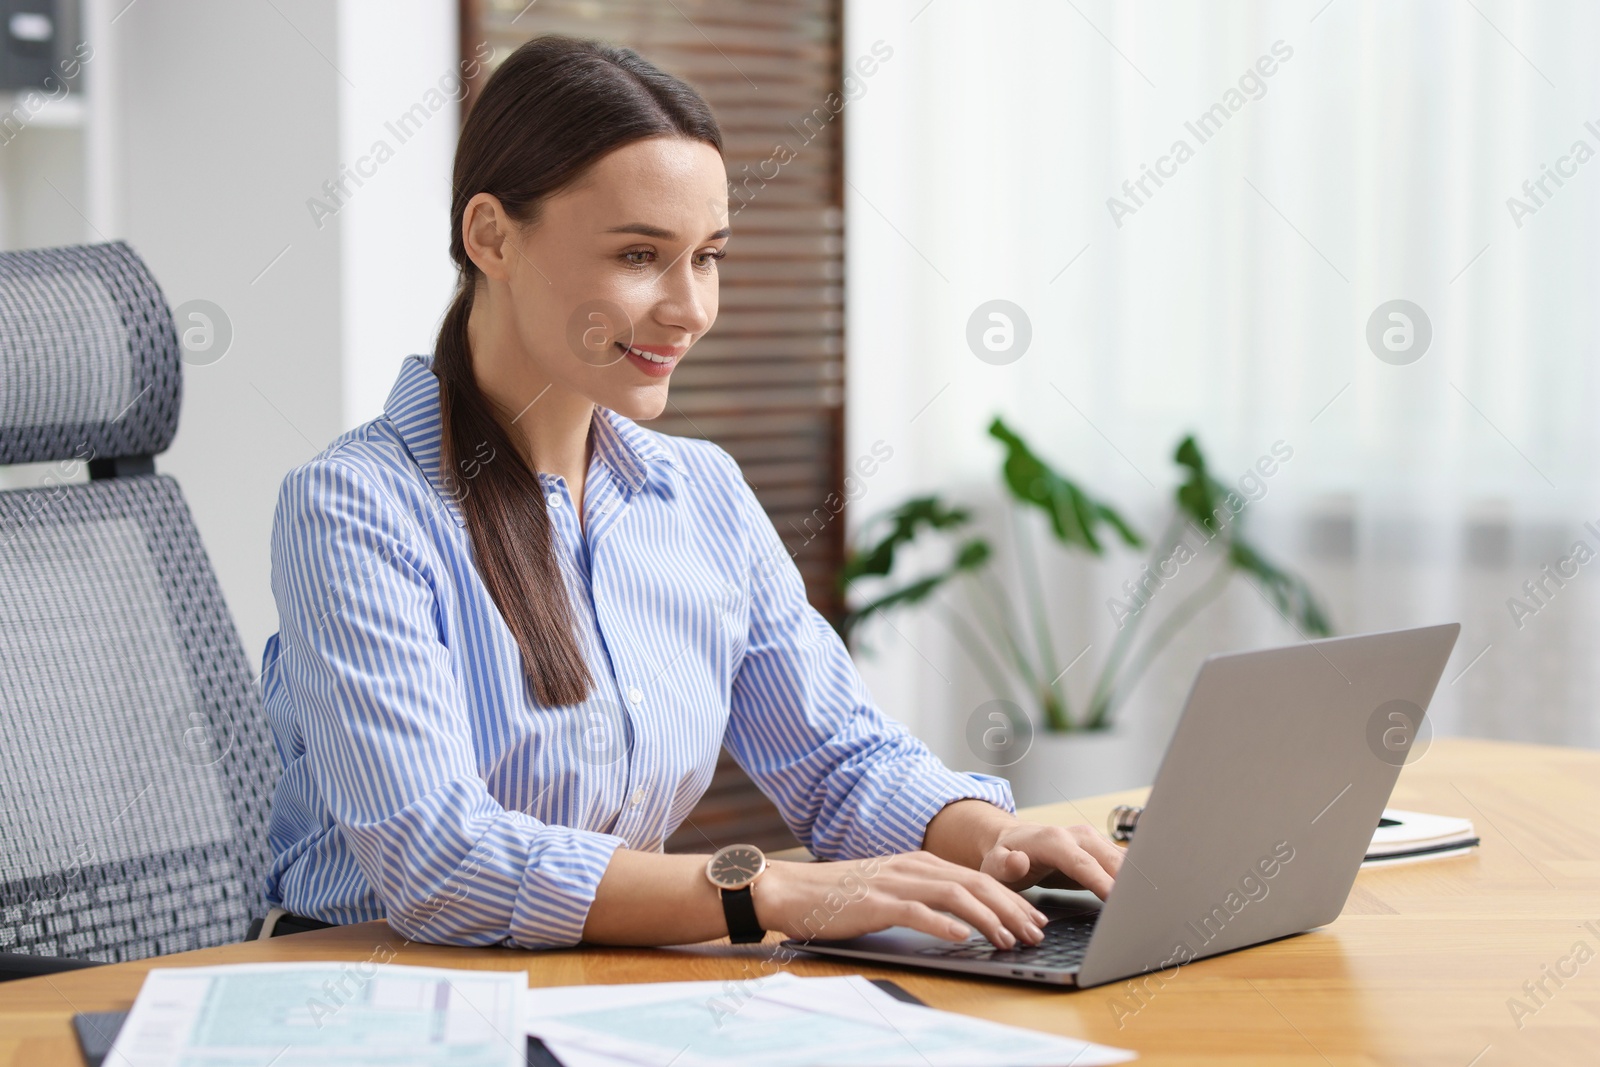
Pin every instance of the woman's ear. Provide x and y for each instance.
(487, 231)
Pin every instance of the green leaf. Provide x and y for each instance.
(1289, 593)
(1075, 517)
(1198, 494)
(905, 523)
(971, 556)
(913, 593)
(1204, 499)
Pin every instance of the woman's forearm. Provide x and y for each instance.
(964, 830)
(650, 898)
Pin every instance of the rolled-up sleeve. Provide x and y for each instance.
(383, 719)
(849, 781)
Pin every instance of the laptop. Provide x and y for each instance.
(1261, 812)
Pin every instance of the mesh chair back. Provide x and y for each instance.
(135, 767)
(88, 356)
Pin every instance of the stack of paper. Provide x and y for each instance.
(385, 1015)
(1404, 836)
(782, 1021)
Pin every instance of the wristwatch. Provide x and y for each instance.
(733, 869)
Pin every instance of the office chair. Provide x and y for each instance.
(135, 765)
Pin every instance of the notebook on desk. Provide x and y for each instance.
(1407, 836)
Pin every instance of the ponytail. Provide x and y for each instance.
(501, 500)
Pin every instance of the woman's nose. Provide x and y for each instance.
(683, 304)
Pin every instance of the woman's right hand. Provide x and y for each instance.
(830, 901)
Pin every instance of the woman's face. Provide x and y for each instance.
(615, 280)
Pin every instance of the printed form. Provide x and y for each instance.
(305, 1014)
(783, 1021)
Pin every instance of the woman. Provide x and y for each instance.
(516, 627)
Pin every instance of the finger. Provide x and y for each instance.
(1085, 869)
(1006, 864)
(960, 901)
(1020, 916)
(1015, 919)
(1102, 849)
(918, 916)
(1059, 848)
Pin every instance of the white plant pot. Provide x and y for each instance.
(1064, 766)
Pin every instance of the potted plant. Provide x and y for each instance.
(1013, 647)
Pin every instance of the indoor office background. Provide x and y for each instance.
(970, 153)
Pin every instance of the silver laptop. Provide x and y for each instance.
(1261, 812)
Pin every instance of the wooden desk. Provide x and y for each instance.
(1418, 970)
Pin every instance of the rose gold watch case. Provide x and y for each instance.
(721, 883)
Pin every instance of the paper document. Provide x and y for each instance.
(303, 1014)
(783, 1021)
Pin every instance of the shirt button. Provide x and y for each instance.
(554, 500)
(638, 797)
(635, 694)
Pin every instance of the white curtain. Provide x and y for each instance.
(1339, 156)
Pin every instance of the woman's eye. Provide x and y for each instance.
(639, 258)
(705, 259)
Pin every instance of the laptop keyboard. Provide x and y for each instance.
(1064, 943)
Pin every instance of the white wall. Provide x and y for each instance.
(402, 63)
(1376, 164)
(211, 126)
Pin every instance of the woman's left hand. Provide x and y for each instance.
(1060, 857)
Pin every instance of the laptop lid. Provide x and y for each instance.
(1267, 797)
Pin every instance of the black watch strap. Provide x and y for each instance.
(739, 907)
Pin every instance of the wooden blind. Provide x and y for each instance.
(767, 382)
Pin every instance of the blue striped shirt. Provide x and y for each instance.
(422, 781)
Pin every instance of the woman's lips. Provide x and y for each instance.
(654, 360)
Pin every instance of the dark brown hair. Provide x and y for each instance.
(548, 113)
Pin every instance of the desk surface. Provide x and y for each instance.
(1422, 967)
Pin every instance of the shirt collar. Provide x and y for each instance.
(628, 449)
(413, 407)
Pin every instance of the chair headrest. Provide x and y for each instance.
(89, 360)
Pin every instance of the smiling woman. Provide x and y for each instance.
(516, 626)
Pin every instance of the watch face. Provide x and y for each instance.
(736, 866)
